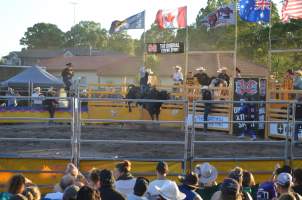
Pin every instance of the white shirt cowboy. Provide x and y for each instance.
(178, 77)
(37, 101)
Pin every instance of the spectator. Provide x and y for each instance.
(87, 193)
(140, 188)
(284, 185)
(18, 197)
(161, 174)
(33, 191)
(37, 98)
(17, 184)
(207, 96)
(283, 169)
(106, 186)
(67, 75)
(81, 180)
(94, 178)
(189, 185)
(51, 103)
(207, 175)
(230, 190)
(237, 174)
(267, 191)
(250, 112)
(70, 193)
(170, 191)
(287, 196)
(124, 179)
(66, 181)
(297, 178)
(222, 74)
(202, 77)
(298, 80)
(177, 76)
(238, 73)
(11, 100)
(248, 184)
(72, 170)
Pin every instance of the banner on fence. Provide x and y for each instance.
(221, 122)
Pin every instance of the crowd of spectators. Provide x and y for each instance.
(120, 184)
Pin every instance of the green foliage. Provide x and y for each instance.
(121, 42)
(43, 35)
(152, 61)
(86, 34)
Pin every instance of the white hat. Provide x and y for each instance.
(170, 191)
(284, 179)
(205, 87)
(177, 67)
(200, 69)
(207, 173)
(222, 69)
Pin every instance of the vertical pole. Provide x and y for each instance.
(270, 42)
(186, 129)
(293, 131)
(236, 39)
(193, 134)
(73, 130)
(186, 63)
(144, 40)
(186, 54)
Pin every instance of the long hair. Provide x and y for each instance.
(16, 183)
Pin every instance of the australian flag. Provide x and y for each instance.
(134, 22)
(255, 10)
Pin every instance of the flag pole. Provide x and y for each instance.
(270, 41)
(144, 40)
(236, 39)
(186, 53)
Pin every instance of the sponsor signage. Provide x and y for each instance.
(165, 48)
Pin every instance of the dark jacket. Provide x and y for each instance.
(108, 193)
(203, 78)
(224, 77)
(298, 189)
(189, 192)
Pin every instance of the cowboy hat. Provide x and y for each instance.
(207, 173)
(221, 69)
(200, 69)
(170, 191)
(177, 67)
(191, 180)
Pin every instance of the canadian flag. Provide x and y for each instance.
(176, 18)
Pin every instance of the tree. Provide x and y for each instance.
(152, 61)
(43, 35)
(86, 34)
(121, 42)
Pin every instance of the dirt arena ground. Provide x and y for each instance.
(120, 151)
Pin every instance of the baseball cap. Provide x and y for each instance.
(266, 191)
(140, 186)
(284, 179)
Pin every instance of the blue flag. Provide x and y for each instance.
(134, 22)
(254, 10)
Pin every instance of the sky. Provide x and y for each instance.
(18, 15)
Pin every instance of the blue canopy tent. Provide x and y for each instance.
(34, 76)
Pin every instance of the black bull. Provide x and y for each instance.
(153, 108)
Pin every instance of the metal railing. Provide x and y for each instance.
(189, 143)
